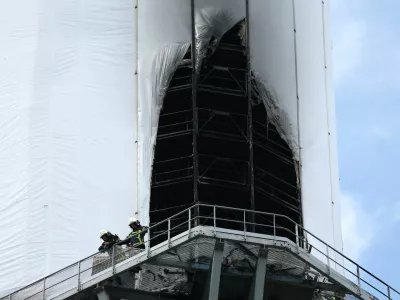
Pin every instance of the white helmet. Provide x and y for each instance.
(103, 232)
(132, 220)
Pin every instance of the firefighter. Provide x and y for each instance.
(109, 240)
(136, 237)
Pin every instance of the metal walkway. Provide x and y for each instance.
(299, 264)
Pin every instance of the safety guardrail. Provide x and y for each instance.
(241, 220)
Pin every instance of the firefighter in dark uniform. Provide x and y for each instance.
(136, 237)
(109, 240)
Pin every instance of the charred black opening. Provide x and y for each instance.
(223, 148)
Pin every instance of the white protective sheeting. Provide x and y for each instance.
(320, 180)
(284, 61)
(78, 127)
(332, 135)
(67, 131)
(164, 37)
(273, 62)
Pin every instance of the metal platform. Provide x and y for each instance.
(210, 262)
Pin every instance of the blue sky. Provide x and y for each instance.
(366, 42)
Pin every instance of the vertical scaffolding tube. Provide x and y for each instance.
(190, 220)
(44, 289)
(79, 275)
(250, 118)
(296, 71)
(113, 259)
(136, 99)
(195, 116)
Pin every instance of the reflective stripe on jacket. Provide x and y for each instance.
(136, 237)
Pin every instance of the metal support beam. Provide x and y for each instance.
(103, 295)
(250, 118)
(300, 166)
(130, 294)
(257, 288)
(215, 274)
(195, 116)
(259, 279)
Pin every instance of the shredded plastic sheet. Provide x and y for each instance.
(163, 42)
(165, 63)
(213, 20)
(277, 116)
(76, 153)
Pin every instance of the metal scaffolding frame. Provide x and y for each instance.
(194, 107)
(197, 80)
(250, 113)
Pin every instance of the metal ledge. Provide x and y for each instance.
(154, 257)
(194, 250)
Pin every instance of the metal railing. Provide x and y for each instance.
(274, 225)
(72, 276)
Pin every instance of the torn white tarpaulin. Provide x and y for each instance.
(163, 42)
(277, 116)
(274, 66)
(291, 56)
(213, 20)
(161, 49)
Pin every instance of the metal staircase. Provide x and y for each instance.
(200, 259)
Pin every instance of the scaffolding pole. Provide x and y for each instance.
(195, 115)
(250, 118)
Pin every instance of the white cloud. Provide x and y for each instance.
(378, 131)
(359, 227)
(397, 212)
(348, 49)
(362, 225)
(365, 50)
